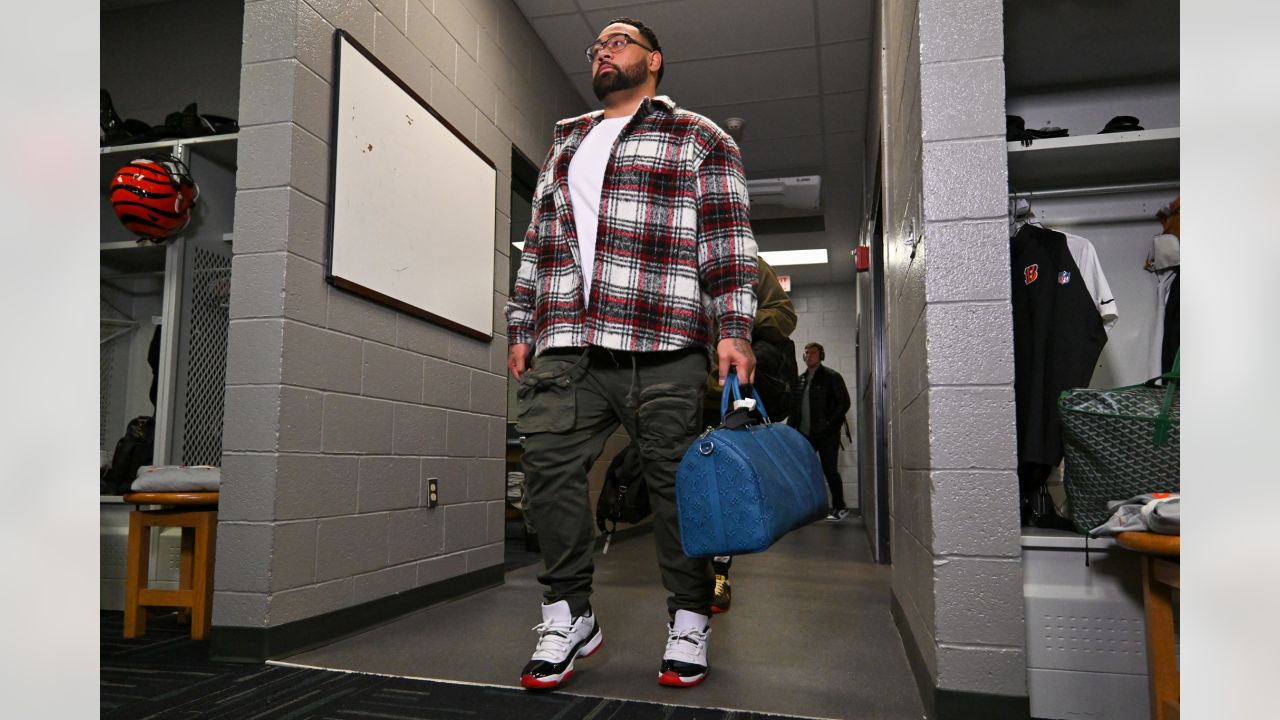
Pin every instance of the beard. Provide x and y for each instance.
(620, 79)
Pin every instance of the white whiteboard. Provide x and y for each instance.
(412, 201)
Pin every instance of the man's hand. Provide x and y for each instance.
(518, 358)
(736, 352)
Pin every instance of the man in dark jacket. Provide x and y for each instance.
(818, 412)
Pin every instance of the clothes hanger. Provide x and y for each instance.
(1023, 214)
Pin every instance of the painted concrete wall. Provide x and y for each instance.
(827, 314)
(957, 572)
(338, 409)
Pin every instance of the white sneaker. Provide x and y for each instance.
(684, 664)
(837, 515)
(561, 638)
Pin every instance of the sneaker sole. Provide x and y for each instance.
(717, 609)
(530, 682)
(671, 679)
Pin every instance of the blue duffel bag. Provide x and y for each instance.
(744, 484)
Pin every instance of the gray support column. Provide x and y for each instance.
(957, 571)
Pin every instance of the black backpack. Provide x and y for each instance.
(776, 374)
(133, 451)
(624, 497)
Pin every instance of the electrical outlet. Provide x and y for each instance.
(433, 492)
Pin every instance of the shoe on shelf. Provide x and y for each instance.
(684, 664)
(837, 514)
(561, 639)
(724, 595)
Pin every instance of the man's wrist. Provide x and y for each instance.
(735, 329)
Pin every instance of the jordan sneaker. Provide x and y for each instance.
(724, 595)
(684, 664)
(561, 639)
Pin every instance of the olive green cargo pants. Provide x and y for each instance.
(568, 404)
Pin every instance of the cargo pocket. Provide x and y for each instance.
(668, 416)
(545, 400)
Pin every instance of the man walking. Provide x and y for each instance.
(818, 412)
(640, 243)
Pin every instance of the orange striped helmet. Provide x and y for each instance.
(153, 196)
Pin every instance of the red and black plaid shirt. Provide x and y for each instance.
(675, 257)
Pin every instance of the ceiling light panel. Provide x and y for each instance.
(778, 258)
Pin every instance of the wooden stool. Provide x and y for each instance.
(197, 514)
(1160, 576)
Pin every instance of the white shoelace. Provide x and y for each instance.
(686, 645)
(553, 641)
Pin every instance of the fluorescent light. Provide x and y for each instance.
(816, 256)
(520, 246)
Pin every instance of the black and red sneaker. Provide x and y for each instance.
(684, 664)
(561, 639)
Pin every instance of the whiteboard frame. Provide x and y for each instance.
(426, 251)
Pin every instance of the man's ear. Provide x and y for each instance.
(655, 61)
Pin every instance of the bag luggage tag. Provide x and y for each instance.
(734, 390)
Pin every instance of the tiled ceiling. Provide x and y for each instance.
(798, 72)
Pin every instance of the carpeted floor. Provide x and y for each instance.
(165, 675)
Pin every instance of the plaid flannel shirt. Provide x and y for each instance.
(675, 263)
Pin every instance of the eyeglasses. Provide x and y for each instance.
(616, 43)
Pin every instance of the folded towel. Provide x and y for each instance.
(177, 478)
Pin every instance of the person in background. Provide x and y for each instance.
(638, 212)
(820, 404)
(775, 378)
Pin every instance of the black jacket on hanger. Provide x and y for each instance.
(1057, 337)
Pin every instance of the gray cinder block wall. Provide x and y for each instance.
(827, 314)
(338, 410)
(957, 576)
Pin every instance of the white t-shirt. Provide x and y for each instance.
(1094, 281)
(586, 179)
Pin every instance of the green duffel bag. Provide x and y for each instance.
(1119, 443)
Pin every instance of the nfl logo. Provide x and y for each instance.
(1064, 277)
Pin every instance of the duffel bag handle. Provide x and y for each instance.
(731, 387)
(1163, 423)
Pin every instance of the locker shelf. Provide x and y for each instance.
(1085, 160)
(221, 149)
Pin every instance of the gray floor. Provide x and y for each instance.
(809, 634)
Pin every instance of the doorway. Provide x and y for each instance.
(873, 384)
(521, 542)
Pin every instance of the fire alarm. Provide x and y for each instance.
(862, 258)
(734, 127)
